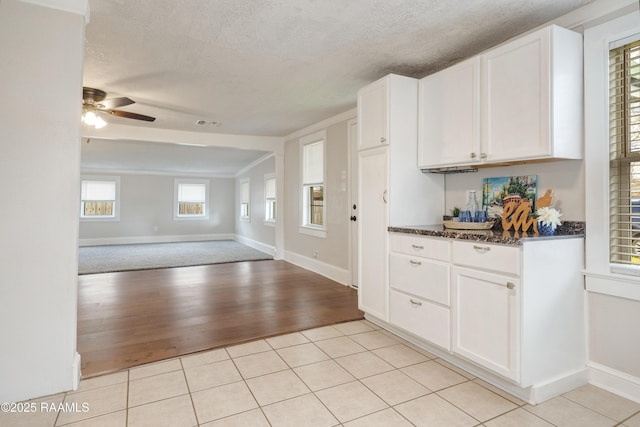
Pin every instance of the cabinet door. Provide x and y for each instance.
(516, 98)
(486, 325)
(372, 232)
(449, 116)
(373, 119)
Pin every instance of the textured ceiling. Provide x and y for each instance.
(270, 67)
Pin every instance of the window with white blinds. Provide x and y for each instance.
(269, 198)
(191, 199)
(244, 199)
(624, 154)
(313, 201)
(98, 198)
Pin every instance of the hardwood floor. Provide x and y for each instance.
(131, 318)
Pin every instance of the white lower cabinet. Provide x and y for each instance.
(420, 317)
(486, 319)
(420, 287)
(513, 315)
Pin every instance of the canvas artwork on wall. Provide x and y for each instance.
(497, 191)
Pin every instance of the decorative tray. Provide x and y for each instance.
(468, 225)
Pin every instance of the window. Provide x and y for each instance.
(245, 195)
(624, 154)
(191, 199)
(313, 194)
(270, 198)
(99, 198)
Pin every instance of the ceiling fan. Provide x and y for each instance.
(93, 101)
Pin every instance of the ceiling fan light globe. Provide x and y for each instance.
(90, 118)
(100, 123)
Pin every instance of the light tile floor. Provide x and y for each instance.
(351, 374)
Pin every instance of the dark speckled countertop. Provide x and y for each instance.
(568, 229)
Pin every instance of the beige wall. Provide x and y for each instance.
(614, 333)
(565, 177)
(146, 210)
(256, 229)
(41, 52)
(333, 249)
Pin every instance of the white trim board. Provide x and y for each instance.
(154, 239)
(614, 381)
(262, 247)
(332, 272)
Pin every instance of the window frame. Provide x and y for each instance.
(270, 203)
(624, 149)
(116, 208)
(176, 202)
(244, 216)
(306, 227)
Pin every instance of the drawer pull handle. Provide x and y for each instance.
(510, 285)
(414, 246)
(418, 303)
(415, 262)
(481, 248)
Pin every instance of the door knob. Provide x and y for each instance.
(353, 218)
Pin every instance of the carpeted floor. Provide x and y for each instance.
(110, 258)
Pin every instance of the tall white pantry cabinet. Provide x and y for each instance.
(391, 188)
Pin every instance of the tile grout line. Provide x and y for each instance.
(193, 405)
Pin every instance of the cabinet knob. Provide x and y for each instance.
(510, 285)
(414, 246)
(353, 218)
(472, 155)
(415, 262)
(383, 139)
(481, 248)
(384, 196)
(418, 303)
(483, 155)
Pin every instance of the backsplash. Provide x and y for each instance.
(565, 177)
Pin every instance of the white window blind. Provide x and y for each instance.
(270, 188)
(244, 192)
(98, 190)
(270, 199)
(244, 199)
(313, 163)
(624, 154)
(192, 193)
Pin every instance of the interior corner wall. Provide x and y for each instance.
(146, 212)
(328, 256)
(255, 232)
(42, 52)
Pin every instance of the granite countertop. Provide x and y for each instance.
(568, 229)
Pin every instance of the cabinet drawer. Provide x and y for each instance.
(420, 246)
(421, 318)
(420, 276)
(503, 259)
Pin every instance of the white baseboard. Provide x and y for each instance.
(614, 381)
(271, 250)
(75, 371)
(154, 239)
(533, 395)
(337, 274)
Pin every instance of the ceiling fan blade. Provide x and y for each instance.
(116, 102)
(129, 115)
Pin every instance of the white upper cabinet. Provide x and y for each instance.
(449, 119)
(373, 121)
(529, 100)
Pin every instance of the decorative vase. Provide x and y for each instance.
(546, 230)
